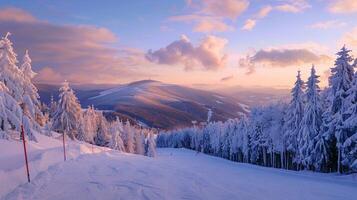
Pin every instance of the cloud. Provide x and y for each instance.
(48, 75)
(249, 24)
(263, 12)
(293, 6)
(203, 24)
(281, 58)
(328, 24)
(208, 54)
(211, 15)
(68, 50)
(227, 78)
(343, 6)
(350, 40)
(207, 26)
(225, 8)
(15, 14)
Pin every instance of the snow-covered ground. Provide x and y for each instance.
(174, 174)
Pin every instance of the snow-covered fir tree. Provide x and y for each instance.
(68, 114)
(17, 85)
(151, 145)
(139, 141)
(116, 141)
(339, 82)
(349, 152)
(102, 137)
(311, 122)
(31, 97)
(89, 125)
(294, 115)
(128, 136)
(10, 74)
(10, 112)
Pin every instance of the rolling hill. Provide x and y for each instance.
(156, 104)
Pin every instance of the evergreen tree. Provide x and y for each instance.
(17, 85)
(129, 138)
(10, 112)
(339, 82)
(311, 121)
(294, 116)
(102, 137)
(151, 152)
(10, 74)
(349, 152)
(67, 116)
(30, 91)
(116, 140)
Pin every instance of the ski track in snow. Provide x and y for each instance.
(178, 174)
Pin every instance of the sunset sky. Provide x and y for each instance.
(220, 42)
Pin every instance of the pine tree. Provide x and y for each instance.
(10, 112)
(340, 81)
(151, 152)
(116, 140)
(349, 152)
(10, 74)
(139, 142)
(53, 107)
(30, 91)
(67, 116)
(293, 118)
(102, 137)
(311, 121)
(17, 85)
(129, 138)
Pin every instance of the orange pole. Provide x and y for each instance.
(25, 151)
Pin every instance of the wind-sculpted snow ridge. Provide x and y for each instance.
(178, 174)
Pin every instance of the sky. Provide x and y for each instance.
(191, 42)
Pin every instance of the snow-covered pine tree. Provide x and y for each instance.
(102, 137)
(339, 82)
(139, 142)
(294, 115)
(349, 152)
(53, 107)
(31, 97)
(311, 121)
(151, 152)
(16, 83)
(10, 74)
(89, 125)
(67, 116)
(10, 112)
(116, 141)
(129, 138)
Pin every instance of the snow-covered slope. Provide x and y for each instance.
(155, 103)
(166, 105)
(42, 155)
(178, 174)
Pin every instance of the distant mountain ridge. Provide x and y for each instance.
(156, 104)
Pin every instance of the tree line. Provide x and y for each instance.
(20, 106)
(316, 130)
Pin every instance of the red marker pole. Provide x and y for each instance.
(64, 148)
(25, 151)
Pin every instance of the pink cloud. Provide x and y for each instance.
(208, 54)
(15, 14)
(281, 58)
(343, 6)
(83, 50)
